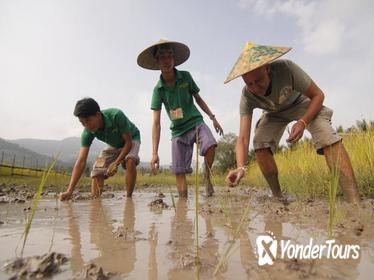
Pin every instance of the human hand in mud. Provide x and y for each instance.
(155, 164)
(65, 196)
(112, 169)
(234, 176)
(297, 131)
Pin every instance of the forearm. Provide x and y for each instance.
(124, 151)
(76, 174)
(242, 145)
(156, 129)
(316, 96)
(313, 109)
(204, 107)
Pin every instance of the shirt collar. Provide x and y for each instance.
(161, 82)
(106, 122)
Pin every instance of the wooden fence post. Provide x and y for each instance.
(14, 161)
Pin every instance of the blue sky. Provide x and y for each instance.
(53, 53)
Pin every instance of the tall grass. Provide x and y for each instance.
(332, 197)
(35, 203)
(301, 171)
(304, 173)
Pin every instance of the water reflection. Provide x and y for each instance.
(77, 261)
(182, 242)
(152, 260)
(116, 254)
(169, 251)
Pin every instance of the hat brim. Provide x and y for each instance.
(244, 64)
(147, 60)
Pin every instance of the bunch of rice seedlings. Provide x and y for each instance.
(230, 245)
(332, 196)
(35, 203)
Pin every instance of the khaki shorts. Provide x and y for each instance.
(270, 127)
(108, 155)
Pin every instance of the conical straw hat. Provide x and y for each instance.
(147, 60)
(254, 56)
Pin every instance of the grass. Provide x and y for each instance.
(301, 171)
(305, 174)
(334, 181)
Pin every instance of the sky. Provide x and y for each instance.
(55, 52)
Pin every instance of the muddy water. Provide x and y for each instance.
(132, 240)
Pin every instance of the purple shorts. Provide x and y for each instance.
(182, 148)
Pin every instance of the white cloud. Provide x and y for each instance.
(326, 37)
(326, 26)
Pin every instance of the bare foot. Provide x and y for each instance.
(209, 190)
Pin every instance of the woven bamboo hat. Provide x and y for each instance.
(254, 56)
(147, 59)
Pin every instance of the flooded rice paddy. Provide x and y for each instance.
(147, 238)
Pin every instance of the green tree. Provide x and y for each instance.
(362, 125)
(225, 153)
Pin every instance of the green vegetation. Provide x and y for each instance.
(225, 154)
(229, 247)
(304, 173)
(334, 181)
(31, 177)
(301, 171)
(35, 204)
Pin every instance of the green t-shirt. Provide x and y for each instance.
(178, 102)
(288, 83)
(115, 124)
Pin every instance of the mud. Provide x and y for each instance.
(158, 203)
(35, 267)
(93, 272)
(147, 238)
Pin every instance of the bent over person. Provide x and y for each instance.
(123, 138)
(177, 91)
(285, 93)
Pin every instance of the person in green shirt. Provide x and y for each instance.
(286, 94)
(123, 138)
(177, 91)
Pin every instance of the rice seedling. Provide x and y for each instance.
(332, 196)
(224, 200)
(172, 200)
(230, 245)
(213, 177)
(54, 223)
(225, 206)
(35, 203)
(197, 258)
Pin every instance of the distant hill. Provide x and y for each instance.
(68, 147)
(42, 149)
(25, 157)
